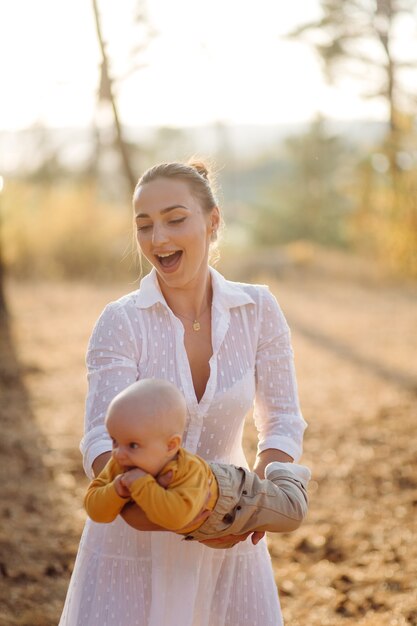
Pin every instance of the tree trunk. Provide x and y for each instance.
(107, 91)
(387, 12)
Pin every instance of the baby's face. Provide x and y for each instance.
(135, 446)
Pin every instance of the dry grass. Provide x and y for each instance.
(354, 560)
(66, 230)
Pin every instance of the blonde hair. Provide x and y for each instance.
(195, 173)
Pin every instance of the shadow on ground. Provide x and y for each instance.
(29, 552)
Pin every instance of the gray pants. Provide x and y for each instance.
(247, 503)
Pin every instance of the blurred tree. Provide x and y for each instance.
(361, 38)
(107, 92)
(385, 220)
(372, 41)
(307, 199)
(167, 143)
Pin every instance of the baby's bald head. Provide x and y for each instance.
(150, 404)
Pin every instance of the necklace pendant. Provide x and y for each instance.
(196, 325)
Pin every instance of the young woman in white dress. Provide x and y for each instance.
(226, 346)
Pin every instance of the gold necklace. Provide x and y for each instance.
(196, 323)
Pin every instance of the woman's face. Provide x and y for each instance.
(173, 231)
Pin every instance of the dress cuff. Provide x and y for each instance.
(94, 443)
(277, 442)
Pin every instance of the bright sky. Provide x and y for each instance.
(221, 60)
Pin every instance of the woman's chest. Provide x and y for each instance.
(199, 350)
(200, 363)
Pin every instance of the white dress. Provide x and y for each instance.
(124, 577)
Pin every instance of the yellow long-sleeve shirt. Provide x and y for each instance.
(173, 508)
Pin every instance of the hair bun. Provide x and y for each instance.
(200, 167)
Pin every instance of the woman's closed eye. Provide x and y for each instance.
(173, 222)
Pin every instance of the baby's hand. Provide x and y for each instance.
(129, 477)
(122, 491)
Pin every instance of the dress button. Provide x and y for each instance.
(228, 518)
(245, 493)
(238, 508)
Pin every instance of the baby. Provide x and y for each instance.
(146, 422)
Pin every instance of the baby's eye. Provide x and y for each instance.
(133, 445)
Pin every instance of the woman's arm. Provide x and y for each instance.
(277, 413)
(136, 518)
(112, 364)
(100, 462)
(268, 456)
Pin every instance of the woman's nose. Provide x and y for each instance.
(159, 234)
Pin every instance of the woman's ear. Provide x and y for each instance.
(214, 223)
(174, 443)
(215, 218)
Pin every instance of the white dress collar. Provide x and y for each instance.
(226, 294)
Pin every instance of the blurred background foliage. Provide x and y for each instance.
(65, 213)
(316, 186)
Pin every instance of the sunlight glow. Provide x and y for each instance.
(208, 62)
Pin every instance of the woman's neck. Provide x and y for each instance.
(191, 300)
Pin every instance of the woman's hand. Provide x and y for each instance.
(257, 536)
(228, 541)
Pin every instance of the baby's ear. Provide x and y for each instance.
(174, 443)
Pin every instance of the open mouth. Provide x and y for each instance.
(170, 260)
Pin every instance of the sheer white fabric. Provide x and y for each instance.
(156, 579)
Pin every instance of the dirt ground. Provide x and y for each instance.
(354, 561)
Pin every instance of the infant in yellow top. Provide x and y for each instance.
(146, 422)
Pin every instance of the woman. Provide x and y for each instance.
(223, 344)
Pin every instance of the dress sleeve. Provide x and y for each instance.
(112, 364)
(277, 412)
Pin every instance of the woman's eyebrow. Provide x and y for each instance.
(163, 211)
